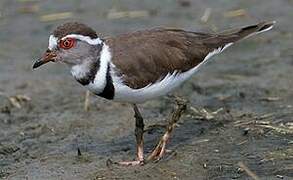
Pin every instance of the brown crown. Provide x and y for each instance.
(74, 28)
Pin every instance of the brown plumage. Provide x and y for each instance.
(74, 28)
(144, 57)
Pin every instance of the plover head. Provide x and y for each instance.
(73, 44)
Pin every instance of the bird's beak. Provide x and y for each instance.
(47, 57)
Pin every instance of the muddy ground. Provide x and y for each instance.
(248, 87)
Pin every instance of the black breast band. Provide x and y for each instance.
(109, 90)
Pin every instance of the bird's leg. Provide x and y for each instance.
(160, 149)
(139, 130)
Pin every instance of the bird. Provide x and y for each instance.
(139, 66)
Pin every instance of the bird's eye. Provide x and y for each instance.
(67, 43)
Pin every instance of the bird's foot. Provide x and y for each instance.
(158, 152)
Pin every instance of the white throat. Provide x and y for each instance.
(79, 71)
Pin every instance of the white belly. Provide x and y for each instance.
(162, 87)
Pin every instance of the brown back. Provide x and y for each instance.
(144, 57)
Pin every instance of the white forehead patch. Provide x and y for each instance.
(53, 41)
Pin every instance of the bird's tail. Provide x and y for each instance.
(226, 38)
(248, 31)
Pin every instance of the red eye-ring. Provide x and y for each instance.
(67, 43)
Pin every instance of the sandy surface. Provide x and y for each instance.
(251, 82)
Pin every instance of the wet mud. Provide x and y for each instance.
(240, 104)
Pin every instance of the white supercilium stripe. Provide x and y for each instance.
(170, 82)
(87, 39)
(53, 41)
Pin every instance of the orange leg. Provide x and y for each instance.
(139, 129)
(160, 149)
